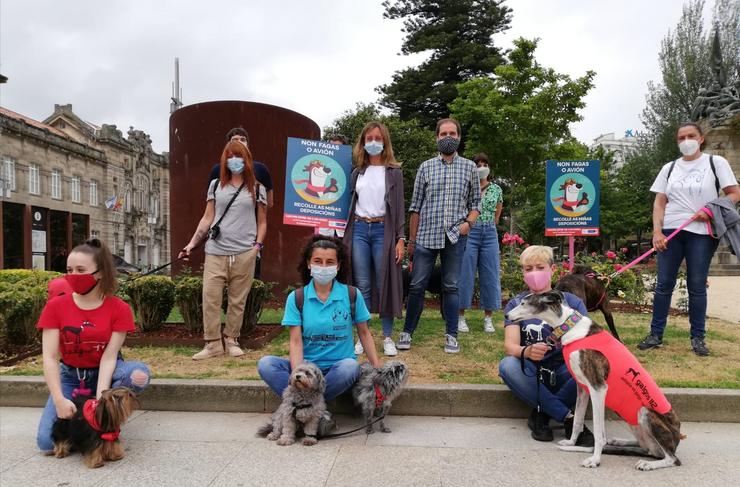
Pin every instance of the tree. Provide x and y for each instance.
(412, 143)
(520, 117)
(458, 34)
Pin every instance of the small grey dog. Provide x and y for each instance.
(376, 389)
(303, 404)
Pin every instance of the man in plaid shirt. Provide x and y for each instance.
(445, 204)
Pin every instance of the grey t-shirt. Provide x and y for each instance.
(239, 226)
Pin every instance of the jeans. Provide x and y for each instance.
(70, 379)
(367, 263)
(275, 371)
(697, 250)
(424, 259)
(555, 401)
(482, 255)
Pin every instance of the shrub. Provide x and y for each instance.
(22, 298)
(152, 298)
(259, 293)
(189, 298)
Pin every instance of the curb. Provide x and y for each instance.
(250, 396)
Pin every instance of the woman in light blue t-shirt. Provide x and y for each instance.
(321, 328)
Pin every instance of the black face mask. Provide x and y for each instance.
(447, 145)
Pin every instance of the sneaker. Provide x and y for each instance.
(586, 438)
(213, 348)
(451, 345)
(359, 349)
(326, 425)
(462, 325)
(389, 348)
(699, 347)
(488, 324)
(650, 341)
(232, 347)
(539, 423)
(404, 341)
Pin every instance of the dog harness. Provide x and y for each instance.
(629, 386)
(379, 397)
(88, 411)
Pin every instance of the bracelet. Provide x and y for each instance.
(259, 245)
(411, 242)
(401, 238)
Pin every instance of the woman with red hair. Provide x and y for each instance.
(234, 233)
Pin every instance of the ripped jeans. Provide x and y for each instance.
(70, 379)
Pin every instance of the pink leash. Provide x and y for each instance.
(673, 234)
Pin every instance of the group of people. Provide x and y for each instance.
(453, 215)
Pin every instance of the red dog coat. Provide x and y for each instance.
(630, 387)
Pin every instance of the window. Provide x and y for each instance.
(56, 184)
(93, 193)
(34, 185)
(9, 175)
(74, 189)
(127, 201)
(94, 234)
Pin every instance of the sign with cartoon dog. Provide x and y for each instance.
(316, 180)
(572, 198)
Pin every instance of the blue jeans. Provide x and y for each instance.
(424, 259)
(70, 378)
(555, 401)
(367, 263)
(275, 371)
(482, 255)
(697, 250)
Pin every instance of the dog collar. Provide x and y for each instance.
(567, 325)
(379, 397)
(88, 411)
(305, 405)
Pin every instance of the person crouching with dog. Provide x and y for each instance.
(320, 316)
(87, 328)
(535, 372)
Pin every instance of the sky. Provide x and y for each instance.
(113, 60)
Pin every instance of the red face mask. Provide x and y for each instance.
(82, 283)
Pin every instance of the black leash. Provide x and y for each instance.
(345, 433)
(156, 269)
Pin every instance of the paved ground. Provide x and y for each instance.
(722, 298)
(184, 449)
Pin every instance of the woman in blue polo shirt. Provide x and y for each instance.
(322, 331)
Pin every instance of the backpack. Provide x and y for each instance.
(351, 290)
(711, 164)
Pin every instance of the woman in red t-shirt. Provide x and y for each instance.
(86, 328)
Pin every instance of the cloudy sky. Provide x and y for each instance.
(113, 59)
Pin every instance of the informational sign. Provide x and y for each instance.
(572, 198)
(316, 184)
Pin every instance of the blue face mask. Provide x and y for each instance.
(374, 147)
(235, 164)
(323, 275)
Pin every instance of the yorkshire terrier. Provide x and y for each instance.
(94, 428)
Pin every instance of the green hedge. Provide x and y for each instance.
(189, 298)
(22, 298)
(152, 298)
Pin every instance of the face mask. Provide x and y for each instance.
(374, 148)
(447, 145)
(323, 275)
(483, 172)
(235, 164)
(81, 283)
(688, 147)
(538, 281)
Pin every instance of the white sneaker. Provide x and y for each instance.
(233, 348)
(488, 324)
(462, 325)
(359, 349)
(389, 348)
(213, 348)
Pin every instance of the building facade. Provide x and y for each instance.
(621, 148)
(64, 180)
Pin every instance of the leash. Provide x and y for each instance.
(345, 433)
(156, 269)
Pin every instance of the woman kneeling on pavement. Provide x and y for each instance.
(553, 393)
(321, 326)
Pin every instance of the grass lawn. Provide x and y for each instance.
(674, 365)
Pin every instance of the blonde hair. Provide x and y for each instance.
(537, 253)
(362, 159)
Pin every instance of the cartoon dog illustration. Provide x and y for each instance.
(316, 184)
(572, 199)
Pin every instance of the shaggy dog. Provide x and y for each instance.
(303, 405)
(95, 426)
(584, 283)
(376, 389)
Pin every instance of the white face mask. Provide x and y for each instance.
(483, 172)
(688, 147)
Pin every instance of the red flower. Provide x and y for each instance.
(566, 265)
(611, 255)
(618, 267)
(623, 250)
(593, 254)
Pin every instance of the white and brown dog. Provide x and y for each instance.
(613, 377)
